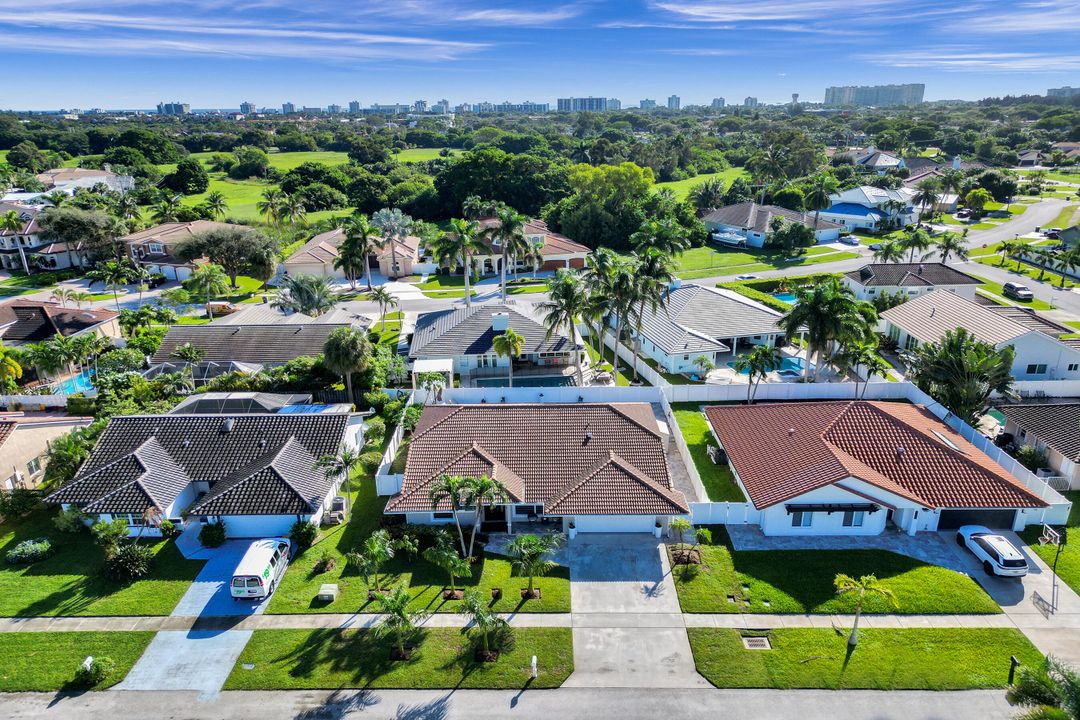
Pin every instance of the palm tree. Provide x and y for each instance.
(306, 294)
(476, 208)
(57, 198)
(829, 312)
(1068, 262)
(926, 197)
(395, 226)
(356, 247)
(486, 621)
(529, 555)
(458, 246)
(454, 489)
(484, 491)
(917, 239)
(62, 295)
(655, 272)
(217, 205)
(951, 182)
(707, 195)
(114, 275)
(599, 269)
(127, 207)
(445, 557)
(508, 343)
(819, 195)
(396, 620)
(622, 293)
(342, 466)
(1052, 691)
(769, 164)
(509, 232)
(10, 222)
(847, 585)
(1044, 256)
(292, 209)
(190, 354)
(374, 551)
(209, 281)
(271, 204)
(889, 251)
(385, 300)
(166, 209)
(951, 245)
(1008, 249)
(665, 235)
(10, 369)
(81, 296)
(758, 363)
(42, 358)
(346, 351)
(567, 300)
(892, 209)
(862, 353)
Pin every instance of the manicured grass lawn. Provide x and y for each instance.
(609, 354)
(1012, 209)
(887, 659)
(301, 583)
(388, 331)
(1028, 273)
(801, 581)
(1068, 566)
(421, 154)
(994, 249)
(1064, 218)
(47, 661)
(296, 659)
(71, 581)
(738, 262)
(192, 320)
(995, 289)
(718, 480)
(682, 188)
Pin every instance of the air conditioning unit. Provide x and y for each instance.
(335, 518)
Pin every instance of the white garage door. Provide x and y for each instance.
(183, 273)
(255, 526)
(615, 523)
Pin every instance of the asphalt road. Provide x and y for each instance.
(565, 704)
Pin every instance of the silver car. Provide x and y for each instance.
(999, 556)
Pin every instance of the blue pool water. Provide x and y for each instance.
(552, 381)
(788, 363)
(787, 297)
(77, 384)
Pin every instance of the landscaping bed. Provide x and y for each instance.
(443, 658)
(47, 661)
(885, 659)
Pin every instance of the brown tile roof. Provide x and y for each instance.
(554, 243)
(783, 450)
(175, 232)
(60, 175)
(581, 459)
(26, 321)
(324, 248)
(7, 429)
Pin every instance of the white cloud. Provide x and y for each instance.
(970, 59)
(765, 10)
(1046, 16)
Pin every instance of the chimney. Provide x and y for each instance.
(500, 321)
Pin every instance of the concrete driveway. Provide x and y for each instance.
(209, 595)
(627, 625)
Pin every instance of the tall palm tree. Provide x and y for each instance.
(892, 209)
(484, 491)
(915, 240)
(127, 207)
(665, 235)
(889, 251)
(10, 369)
(385, 300)
(566, 303)
(292, 209)
(509, 232)
(951, 245)
(768, 165)
(1068, 262)
(356, 247)
(623, 294)
(926, 197)
(454, 489)
(707, 195)
(860, 587)
(166, 209)
(757, 363)
(862, 353)
(951, 182)
(209, 281)
(346, 351)
(1008, 249)
(819, 195)
(829, 313)
(654, 273)
(508, 343)
(476, 208)
(307, 294)
(1044, 257)
(599, 270)
(271, 204)
(342, 466)
(1052, 691)
(217, 205)
(10, 222)
(114, 275)
(458, 246)
(395, 226)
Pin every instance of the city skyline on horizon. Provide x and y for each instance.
(214, 55)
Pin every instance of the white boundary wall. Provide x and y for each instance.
(387, 483)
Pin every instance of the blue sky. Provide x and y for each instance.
(216, 53)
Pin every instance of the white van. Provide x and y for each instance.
(260, 569)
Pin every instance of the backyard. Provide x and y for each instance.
(708, 261)
(47, 661)
(718, 480)
(682, 188)
(801, 581)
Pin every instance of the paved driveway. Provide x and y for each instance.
(209, 595)
(627, 625)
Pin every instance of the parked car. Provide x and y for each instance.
(963, 213)
(221, 307)
(261, 568)
(1016, 291)
(746, 277)
(876, 246)
(849, 240)
(1052, 234)
(998, 555)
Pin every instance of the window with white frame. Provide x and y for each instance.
(34, 466)
(155, 249)
(801, 519)
(854, 518)
(1036, 369)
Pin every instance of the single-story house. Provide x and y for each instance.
(1051, 426)
(876, 161)
(24, 445)
(868, 207)
(30, 321)
(752, 223)
(698, 321)
(858, 467)
(317, 256)
(558, 251)
(155, 247)
(466, 336)
(1070, 236)
(69, 179)
(911, 279)
(1040, 355)
(254, 472)
(1031, 158)
(590, 467)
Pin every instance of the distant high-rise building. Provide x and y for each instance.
(875, 95)
(647, 104)
(443, 106)
(750, 102)
(674, 102)
(420, 106)
(247, 108)
(333, 109)
(1066, 91)
(508, 107)
(718, 103)
(174, 108)
(587, 104)
(614, 104)
(288, 108)
(354, 107)
(794, 98)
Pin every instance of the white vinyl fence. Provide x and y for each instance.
(387, 483)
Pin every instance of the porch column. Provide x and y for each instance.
(509, 518)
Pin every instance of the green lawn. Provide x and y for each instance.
(1028, 273)
(893, 659)
(801, 581)
(1064, 218)
(1068, 566)
(707, 262)
(682, 188)
(622, 377)
(718, 480)
(301, 583)
(421, 154)
(71, 581)
(995, 289)
(325, 659)
(47, 661)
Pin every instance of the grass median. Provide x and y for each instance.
(47, 661)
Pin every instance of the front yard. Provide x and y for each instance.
(1068, 566)
(718, 480)
(907, 659)
(47, 661)
(301, 659)
(71, 582)
(801, 581)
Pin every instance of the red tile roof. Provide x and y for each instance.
(783, 450)
(7, 429)
(554, 243)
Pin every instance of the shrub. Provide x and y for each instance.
(391, 414)
(376, 400)
(412, 416)
(303, 534)
(1032, 457)
(29, 551)
(169, 529)
(327, 562)
(81, 406)
(17, 502)
(375, 427)
(120, 360)
(71, 520)
(128, 562)
(370, 460)
(109, 534)
(212, 535)
(95, 672)
(761, 297)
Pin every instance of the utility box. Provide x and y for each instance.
(328, 592)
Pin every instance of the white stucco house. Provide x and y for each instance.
(1053, 426)
(752, 223)
(870, 208)
(911, 279)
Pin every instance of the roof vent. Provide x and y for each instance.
(262, 442)
(185, 443)
(921, 268)
(588, 437)
(900, 452)
(227, 426)
(791, 432)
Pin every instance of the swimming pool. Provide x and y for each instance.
(787, 366)
(545, 381)
(77, 384)
(786, 297)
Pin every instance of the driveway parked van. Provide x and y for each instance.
(260, 570)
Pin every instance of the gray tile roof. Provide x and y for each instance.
(909, 275)
(756, 217)
(1031, 321)
(698, 319)
(280, 482)
(928, 317)
(1056, 424)
(467, 331)
(261, 344)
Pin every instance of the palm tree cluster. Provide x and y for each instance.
(464, 493)
(63, 354)
(307, 294)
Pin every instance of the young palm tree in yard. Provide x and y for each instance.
(951, 245)
(1007, 249)
(818, 197)
(926, 197)
(396, 620)
(509, 343)
(1044, 257)
(62, 295)
(209, 281)
(483, 491)
(385, 300)
(862, 353)
(395, 226)
(916, 240)
(529, 556)
(455, 490)
(374, 552)
(217, 205)
(346, 351)
(486, 621)
(509, 232)
(190, 354)
(166, 208)
(457, 247)
(566, 303)
(1051, 692)
(1068, 261)
(867, 584)
(356, 248)
(342, 465)
(446, 558)
(757, 363)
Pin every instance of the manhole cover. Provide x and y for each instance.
(756, 643)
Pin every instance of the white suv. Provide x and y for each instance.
(998, 555)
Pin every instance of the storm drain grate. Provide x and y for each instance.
(756, 643)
